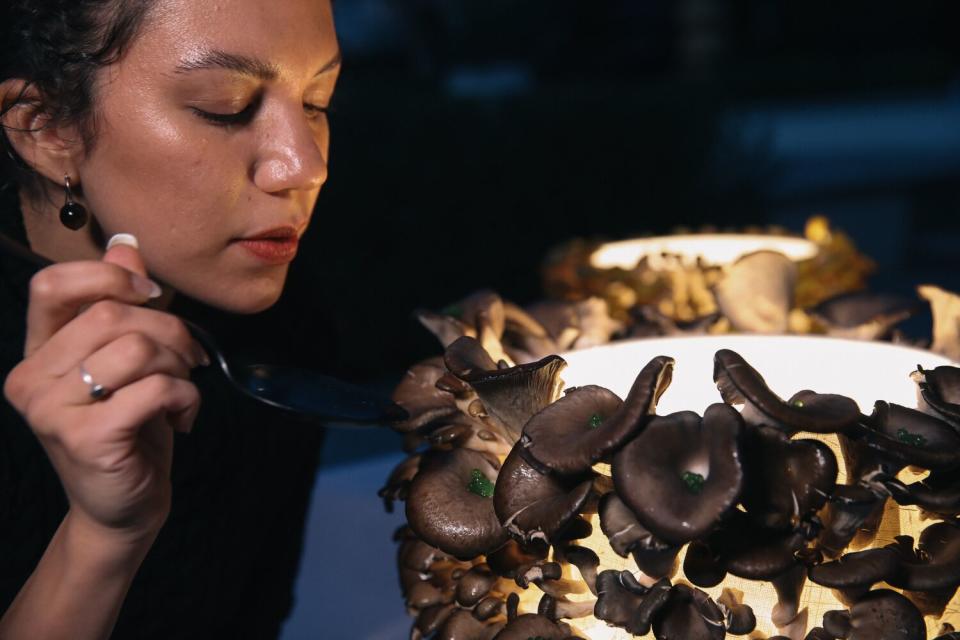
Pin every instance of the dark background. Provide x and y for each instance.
(470, 136)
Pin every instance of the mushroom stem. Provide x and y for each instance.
(788, 586)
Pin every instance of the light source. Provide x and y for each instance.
(499, 503)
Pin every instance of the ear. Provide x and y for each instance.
(52, 151)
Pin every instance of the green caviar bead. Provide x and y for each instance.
(798, 403)
(694, 481)
(480, 485)
(906, 437)
(595, 421)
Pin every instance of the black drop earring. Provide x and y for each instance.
(73, 215)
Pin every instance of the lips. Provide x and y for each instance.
(274, 246)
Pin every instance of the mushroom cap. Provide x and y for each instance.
(740, 617)
(590, 422)
(513, 394)
(939, 391)
(462, 625)
(937, 493)
(756, 292)
(474, 585)
(856, 570)
(910, 437)
(534, 505)
(855, 308)
(625, 603)
(682, 473)
(786, 479)
(626, 535)
(739, 383)
(587, 563)
(418, 395)
(885, 615)
(510, 559)
(701, 565)
(847, 508)
(936, 562)
(444, 512)
(533, 626)
(756, 553)
(690, 614)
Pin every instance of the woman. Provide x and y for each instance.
(194, 134)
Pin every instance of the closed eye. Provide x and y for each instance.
(242, 117)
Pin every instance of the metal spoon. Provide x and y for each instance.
(304, 393)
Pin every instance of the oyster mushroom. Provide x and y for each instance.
(399, 482)
(848, 507)
(690, 614)
(741, 384)
(756, 292)
(449, 504)
(586, 561)
(682, 473)
(930, 574)
(655, 558)
(512, 394)
(894, 437)
(469, 433)
(702, 566)
(474, 585)
(480, 315)
(462, 625)
(590, 422)
(945, 306)
(513, 557)
(558, 609)
(418, 395)
(938, 392)
(532, 505)
(625, 603)
(854, 574)
(535, 626)
(787, 480)
(863, 315)
(429, 620)
(938, 493)
(880, 615)
(740, 619)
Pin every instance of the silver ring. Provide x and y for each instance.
(97, 391)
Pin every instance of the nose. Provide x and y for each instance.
(293, 155)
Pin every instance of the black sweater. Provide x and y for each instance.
(224, 564)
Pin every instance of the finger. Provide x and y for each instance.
(123, 250)
(172, 400)
(105, 322)
(127, 359)
(59, 292)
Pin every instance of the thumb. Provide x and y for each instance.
(124, 250)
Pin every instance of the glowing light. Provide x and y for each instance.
(711, 249)
(864, 371)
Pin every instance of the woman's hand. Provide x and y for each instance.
(112, 454)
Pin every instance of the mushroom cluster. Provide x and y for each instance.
(538, 512)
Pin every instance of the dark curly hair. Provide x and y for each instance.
(57, 46)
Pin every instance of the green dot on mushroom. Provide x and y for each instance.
(595, 421)
(798, 404)
(693, 481)
(914, 439)
(480, 484)
(452, 310)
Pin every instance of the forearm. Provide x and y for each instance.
(79, 585)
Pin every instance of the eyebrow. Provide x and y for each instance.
(217, 59)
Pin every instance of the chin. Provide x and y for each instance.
(244, 298)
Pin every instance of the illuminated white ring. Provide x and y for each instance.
(97, 391)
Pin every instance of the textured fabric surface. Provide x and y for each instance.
(225, 563)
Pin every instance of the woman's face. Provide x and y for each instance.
(211, 142)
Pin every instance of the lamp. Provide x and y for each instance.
(536, 515)
(677, 276)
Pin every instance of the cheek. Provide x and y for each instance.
(172, 186)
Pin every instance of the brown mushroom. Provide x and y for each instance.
(590, 422)
(881, 615)
(741, 384)
(532, 505)
(449, 503)
(682, 473)
(938, 392)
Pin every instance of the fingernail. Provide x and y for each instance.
(123, 238)
(145, 286)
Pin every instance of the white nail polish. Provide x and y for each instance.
(123, 238)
